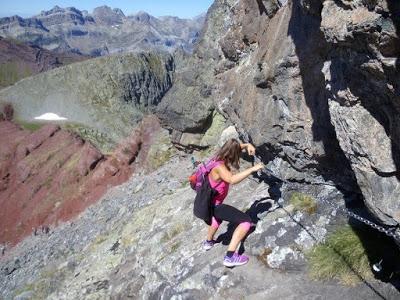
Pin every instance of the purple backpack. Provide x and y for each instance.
(203, 169)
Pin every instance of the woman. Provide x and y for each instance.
(220, 178)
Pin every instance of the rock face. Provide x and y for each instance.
(52, 175)
(362, 84)
(314, 85)
(18, 60)
(104, 31)
(102, 98)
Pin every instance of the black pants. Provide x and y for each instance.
(228, 213)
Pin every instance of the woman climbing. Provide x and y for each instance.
(220, 178)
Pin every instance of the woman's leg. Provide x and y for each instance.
(238, 235)
(211, 232)
(212, 229)
(232, 214)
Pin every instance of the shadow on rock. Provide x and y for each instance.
(312, 50)
(394, 9)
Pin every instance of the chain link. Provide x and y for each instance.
(388, 231)
(391, 232)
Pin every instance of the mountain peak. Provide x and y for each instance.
(102, 7)
(108, 10)
(118, 11)
(55, 9)
(106, 15)
(142, 16)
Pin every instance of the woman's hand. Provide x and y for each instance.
(249, 148)
(258, 167)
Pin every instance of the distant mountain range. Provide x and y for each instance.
(105, 31)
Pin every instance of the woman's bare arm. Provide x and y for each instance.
(228, 177)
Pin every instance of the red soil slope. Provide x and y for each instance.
(52, 175)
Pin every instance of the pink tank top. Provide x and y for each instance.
(222, 187)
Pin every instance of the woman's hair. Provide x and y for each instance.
(230, 153)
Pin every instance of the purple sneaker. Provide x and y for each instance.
(207, 245)
(235, 260)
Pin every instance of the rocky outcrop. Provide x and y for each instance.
(18, 60)
(103, 32)
(314, 85)
(52, 175)
(188, 108)
(103, 98)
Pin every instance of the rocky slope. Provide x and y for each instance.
(141, 241)
(18, 60)
(104, 31)
(314, 85)
(102, 98)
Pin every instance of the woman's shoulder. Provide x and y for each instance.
(221, 167)
(219, 163)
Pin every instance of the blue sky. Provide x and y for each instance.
(180, 8)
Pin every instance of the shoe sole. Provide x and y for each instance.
(227, 264)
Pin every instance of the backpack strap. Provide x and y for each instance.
(212, 164)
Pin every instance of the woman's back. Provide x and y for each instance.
(216, 182)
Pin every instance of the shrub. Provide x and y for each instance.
(303, 202)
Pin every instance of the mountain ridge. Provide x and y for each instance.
(104, 31)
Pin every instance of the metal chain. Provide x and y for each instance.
(391, 232)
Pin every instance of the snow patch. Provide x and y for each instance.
(50, 117)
